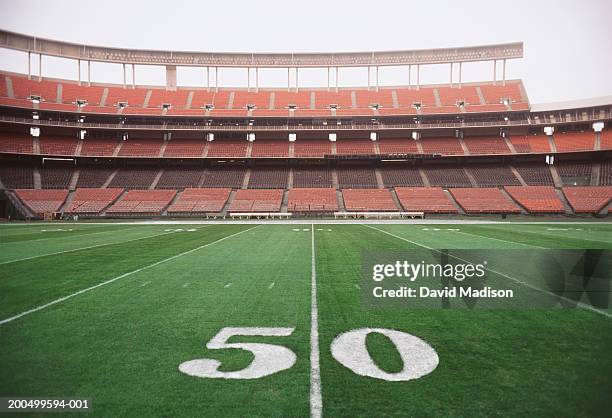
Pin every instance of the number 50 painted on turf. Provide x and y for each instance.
(348, 348)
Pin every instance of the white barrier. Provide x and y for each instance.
(260, 215)
(379, 215)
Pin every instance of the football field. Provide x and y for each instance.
(191, 320)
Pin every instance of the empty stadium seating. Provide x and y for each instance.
(495, 93)
(227, 148)
(535, 174)
(311, 148)
(605, 176)
(574, 174)
(57, 145)
(257, 200)
(356, 178)
(179, 178)
(190, 148)
(404, 176)
(224, 177)
(588, 199)
(606, 139)
(16, 143)
(484, 200)
(364, 200)
(89, 201)
(42, 201)
(449, 96)
(265, 178)
(447, 176)
(486, 145)
(16, 177)
(443, 146)
(272, 148)
(530, 144)
(307, 177)
(312, 200)
(55, 178)
(134, 178)
(93, 177)
(354, 146)
(140, 148)
(142, 202)
(493, 175)
(199, 201)
(425, 199)
(574, 141)
(398, 146)
(537, 199)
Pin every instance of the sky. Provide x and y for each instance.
(568, 44)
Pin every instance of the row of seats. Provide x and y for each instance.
(225, 148)
(511, 199)
(265, 99)
(348, 177)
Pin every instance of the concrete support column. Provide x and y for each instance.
(504, 72)
(418, 76)
(29, 65)
(451, 74)
(216, 78)
(327, 78)
(39, 67)
(79, 71)
(297, 79)
(207, 78)
(124, 78)
(134, 77)
(288, 84)
(460, 66)
(369, 77)
(256, 79)
(409, 76)
(337, 79)
(377, 78)
(89, 73)
(170, 77)
(248, 79)
(494, 72)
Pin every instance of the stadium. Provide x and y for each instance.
(372, 249)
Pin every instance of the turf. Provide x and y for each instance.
(120, 344)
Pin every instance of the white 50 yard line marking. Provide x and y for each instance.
(514, 279)
(86, 248)
(316, 400)
(114, 279)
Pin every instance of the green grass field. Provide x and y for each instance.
(110, 311)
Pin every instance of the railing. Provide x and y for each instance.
(556, 119)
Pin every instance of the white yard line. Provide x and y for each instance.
(85, 248)
(514, 279)
(114, 279)
(316, 400)
(271, 285)
(66, 236)
(227, 285)
(499, 239)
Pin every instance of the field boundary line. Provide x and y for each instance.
(51, 238)
(514, 279)
(124, 275)
(316, 399)
(86, 248)
(502, 240)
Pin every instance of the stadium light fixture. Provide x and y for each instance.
(332, 137)
(35, 131)
(82, 134)
(210, 137)
(81, 103)
(251, 137)
(333, 106)
(251, 122)
(292, 137)
(416, 135)
(549, 130)
(417, 105)
(81, 118)
(550, 159)
(250, 107)
(458, 133)
(506, 101)
(166, 106)
(122, 105)
(35, 116)
(208, 107)
(125, 136)
(35, 99)
(598, 126)
(373, 136)
(375, 106)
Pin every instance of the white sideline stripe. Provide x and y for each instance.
(85, 248)
(316, 400)
(114, 279)
(502, 240)
(514, 279)
(271, 285)
(67, 236)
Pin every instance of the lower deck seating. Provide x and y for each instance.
(447, 176)
(605, 173)
(89, 201)
(57, 146)
(443, 146)
(492, 175)
(312, 177)
(486, 145)
(405, 176)
(227, 148)
(530, 144)
(312, 200)
(356, 178)
(537, 199)
(588, 199)
(142, 202)
(368, 200)
(574, 141)
(484, 200)
(55, 178)
(257, 200)
(42, 201)
(179, 178)
(398, 146)
(140, 148)
(17, 177)
(199, 201)
(184, 148)
(134, 178)
(270, 148)
(16, 143)
(312, 148)
(93, 177)
(224, 177)
(425, 199)
(574, 174)
(354, 147)
(266, 178)
(535, 174)
(99, 147)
